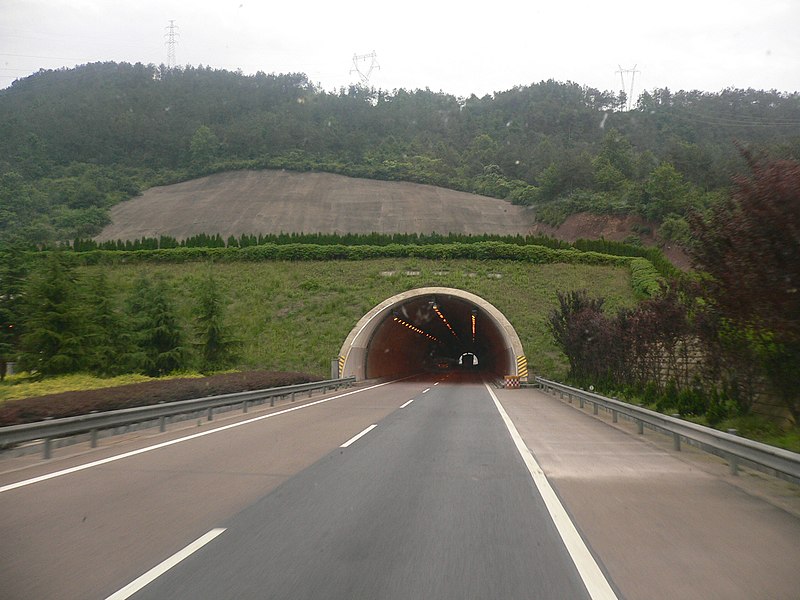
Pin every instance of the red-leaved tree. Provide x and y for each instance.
(749, 249)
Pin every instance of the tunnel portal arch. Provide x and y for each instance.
(429, 329)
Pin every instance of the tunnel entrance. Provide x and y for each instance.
(433, 330)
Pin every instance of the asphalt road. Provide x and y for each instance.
(86, 534)
(434, 502)
(434, 496)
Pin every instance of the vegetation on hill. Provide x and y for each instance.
(718, 343)
(77, 141)
(284, 315)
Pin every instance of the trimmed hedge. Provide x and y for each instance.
(645, 279)
(316, 252)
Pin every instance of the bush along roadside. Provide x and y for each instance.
(67, 404)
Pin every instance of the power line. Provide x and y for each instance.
(730, 121)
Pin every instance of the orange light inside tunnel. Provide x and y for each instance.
(444, 320)
(415, 329)
(474, 324)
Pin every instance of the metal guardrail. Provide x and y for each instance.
(92, 423)
(737, 451)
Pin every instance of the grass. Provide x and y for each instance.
(16, 387)
(763, 429)
(753, 426)
(294, 316)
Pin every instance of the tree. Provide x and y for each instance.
(586, 336)
(665, 192)
(749, 248)
(216, 348)
(203, 148)
(54, 337)
(157, 330)
(12, 276)
(111, 348)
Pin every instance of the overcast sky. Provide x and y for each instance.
(457, 47)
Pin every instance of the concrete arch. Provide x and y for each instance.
(395, 337)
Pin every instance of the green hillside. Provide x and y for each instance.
(295, 316)
(78, 141)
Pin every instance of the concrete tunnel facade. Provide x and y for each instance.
(432, 329)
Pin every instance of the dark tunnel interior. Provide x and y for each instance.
(436, 334)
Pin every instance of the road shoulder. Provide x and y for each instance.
(664, 524)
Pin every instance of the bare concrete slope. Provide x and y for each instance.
(256, 202)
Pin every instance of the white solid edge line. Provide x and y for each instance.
(596, 583)
(407, 403)
(154, 573)
(97, 463)
(357, 437)
(425, 391)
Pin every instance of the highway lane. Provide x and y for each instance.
(85, 534)
(665, 524)
(433, 502)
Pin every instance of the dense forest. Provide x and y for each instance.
(77, 141)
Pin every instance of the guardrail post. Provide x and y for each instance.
(734, 463)
(93, 438)
(580, 403)
(210, 415)
(595, 408)
(676, 442)
(162, 424)
(48, 448)
(640, 427)
(244, 406)
(272, 401)
(569, 397)
(311, 391)
(614, 416)
(293, 395)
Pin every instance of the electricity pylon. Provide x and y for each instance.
(632, 73)
(171, 41)
(358, 58)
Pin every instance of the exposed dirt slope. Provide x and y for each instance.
(617, 228)
(256, 202)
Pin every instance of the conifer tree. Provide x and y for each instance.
(12, 276)
(54, 338)
(215, 347)
(112, 346)
(157, 329)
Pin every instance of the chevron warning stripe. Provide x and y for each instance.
(341, 365)
(522, 367)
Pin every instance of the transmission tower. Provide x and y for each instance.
(171, 34)
(632, 72)
(362, 58)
